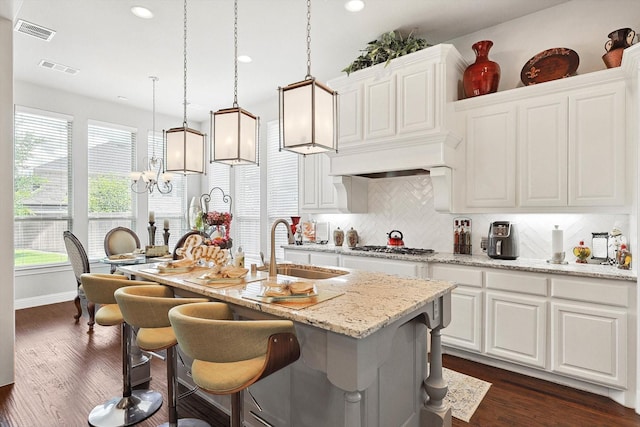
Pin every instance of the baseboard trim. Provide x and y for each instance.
(44, 300)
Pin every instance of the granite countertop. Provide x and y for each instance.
(521, 264)
(367, 302)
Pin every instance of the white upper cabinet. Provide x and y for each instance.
(597, 146)
(557, 145)
(400, 100)
(380, 108)
(491, 157)
(316, 189)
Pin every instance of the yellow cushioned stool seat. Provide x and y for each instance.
(147, 307)
(230, 355)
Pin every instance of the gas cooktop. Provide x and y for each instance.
(394, 250)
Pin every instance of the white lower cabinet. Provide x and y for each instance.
(516, 328)
(567, 328)
(466, 327)
(297, 257)
(590, 330)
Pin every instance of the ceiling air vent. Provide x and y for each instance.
(34, 30)
(58, 67)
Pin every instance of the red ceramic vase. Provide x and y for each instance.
(482, 76)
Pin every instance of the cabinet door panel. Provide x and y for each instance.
(308, 191)
(465, 329)
(416, 100)
(327, 191)
(590, 343)
(491, 157)
(350, 110)
(596, 147)
(380, 101)
(516, 328)
(543, 153)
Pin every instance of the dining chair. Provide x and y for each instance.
(80, 264)
(120, 240)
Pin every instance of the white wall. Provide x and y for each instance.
(7, 319)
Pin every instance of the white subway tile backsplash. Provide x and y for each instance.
(406, 204)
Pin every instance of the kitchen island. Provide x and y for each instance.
(363, 351)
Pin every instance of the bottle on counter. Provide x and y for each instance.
(456, 237)
(239, 261)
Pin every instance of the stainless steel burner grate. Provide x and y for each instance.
(394, 250)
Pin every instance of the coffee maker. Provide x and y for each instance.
(503, 240)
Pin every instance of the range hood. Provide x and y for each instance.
(433, 155)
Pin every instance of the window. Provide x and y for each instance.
(282, 185)
(42, 186)
(111, 160)
(171, 206)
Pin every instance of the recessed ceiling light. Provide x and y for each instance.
(122, 98)
(354, 5)
(244, 58)
(142, 12)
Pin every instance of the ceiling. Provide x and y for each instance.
(116, 51)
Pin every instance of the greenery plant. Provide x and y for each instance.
(390, 45)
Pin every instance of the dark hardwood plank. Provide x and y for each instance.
(62, 373)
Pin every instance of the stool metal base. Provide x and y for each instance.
(126, 411)
(187, 422)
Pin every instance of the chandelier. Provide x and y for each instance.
(154, 176)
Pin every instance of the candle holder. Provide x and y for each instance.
(166, 236)
(152, 233)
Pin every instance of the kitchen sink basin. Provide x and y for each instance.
(308, 271)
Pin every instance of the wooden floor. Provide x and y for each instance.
(62, 373)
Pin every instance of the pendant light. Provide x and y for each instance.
(308, 111)
(235, 131)
(154, 176)
(184, 147)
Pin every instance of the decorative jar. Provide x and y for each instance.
(482, 76)
(581, 252)
(338, 237)
(352, 238)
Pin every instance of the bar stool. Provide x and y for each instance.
(133, 406)
(147, 308)
(230, 355)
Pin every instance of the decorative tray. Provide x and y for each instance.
(551, 64)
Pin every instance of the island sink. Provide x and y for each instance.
(308, 271)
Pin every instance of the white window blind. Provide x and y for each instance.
(171, 206)
(42, 186)
(246, 222)
(282, 185)
(111, 160)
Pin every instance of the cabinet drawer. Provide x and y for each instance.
(323, 259)
(401, 268)
(297, 257)
(461, 275)
(521, 283)
(598, 292)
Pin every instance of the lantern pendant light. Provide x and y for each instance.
(308, 111)
(184, 147)
(235, 131)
